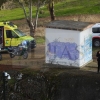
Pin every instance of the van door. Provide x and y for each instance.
(11, 38)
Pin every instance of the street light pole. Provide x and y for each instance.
(4, 86)
(5, 76)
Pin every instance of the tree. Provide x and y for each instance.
(32, 24)
(51, 8)
(2, 1)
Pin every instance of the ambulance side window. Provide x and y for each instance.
(11, 34)
(96, 30)
(8, 34)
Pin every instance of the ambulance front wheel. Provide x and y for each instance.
(12, 55)
(25, 55)
(0, 57)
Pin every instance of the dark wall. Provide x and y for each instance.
(78, 86)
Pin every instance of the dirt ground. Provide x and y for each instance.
(35, 60)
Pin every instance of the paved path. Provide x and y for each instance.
(90, 67)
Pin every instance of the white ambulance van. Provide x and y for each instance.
(96, 35)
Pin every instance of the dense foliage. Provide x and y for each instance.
(41, 86)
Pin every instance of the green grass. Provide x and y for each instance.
(64, 8)
(40, 40)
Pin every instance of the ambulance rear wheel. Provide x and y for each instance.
(25, 55)
(96, 42)
(0, 56)
(12, 55)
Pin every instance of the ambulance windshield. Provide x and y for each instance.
(20, 33)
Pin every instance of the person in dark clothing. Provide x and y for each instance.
(98, 60)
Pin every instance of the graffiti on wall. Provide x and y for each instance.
(63, 50)
(57, 51)
(87, 48)
(68, 53)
